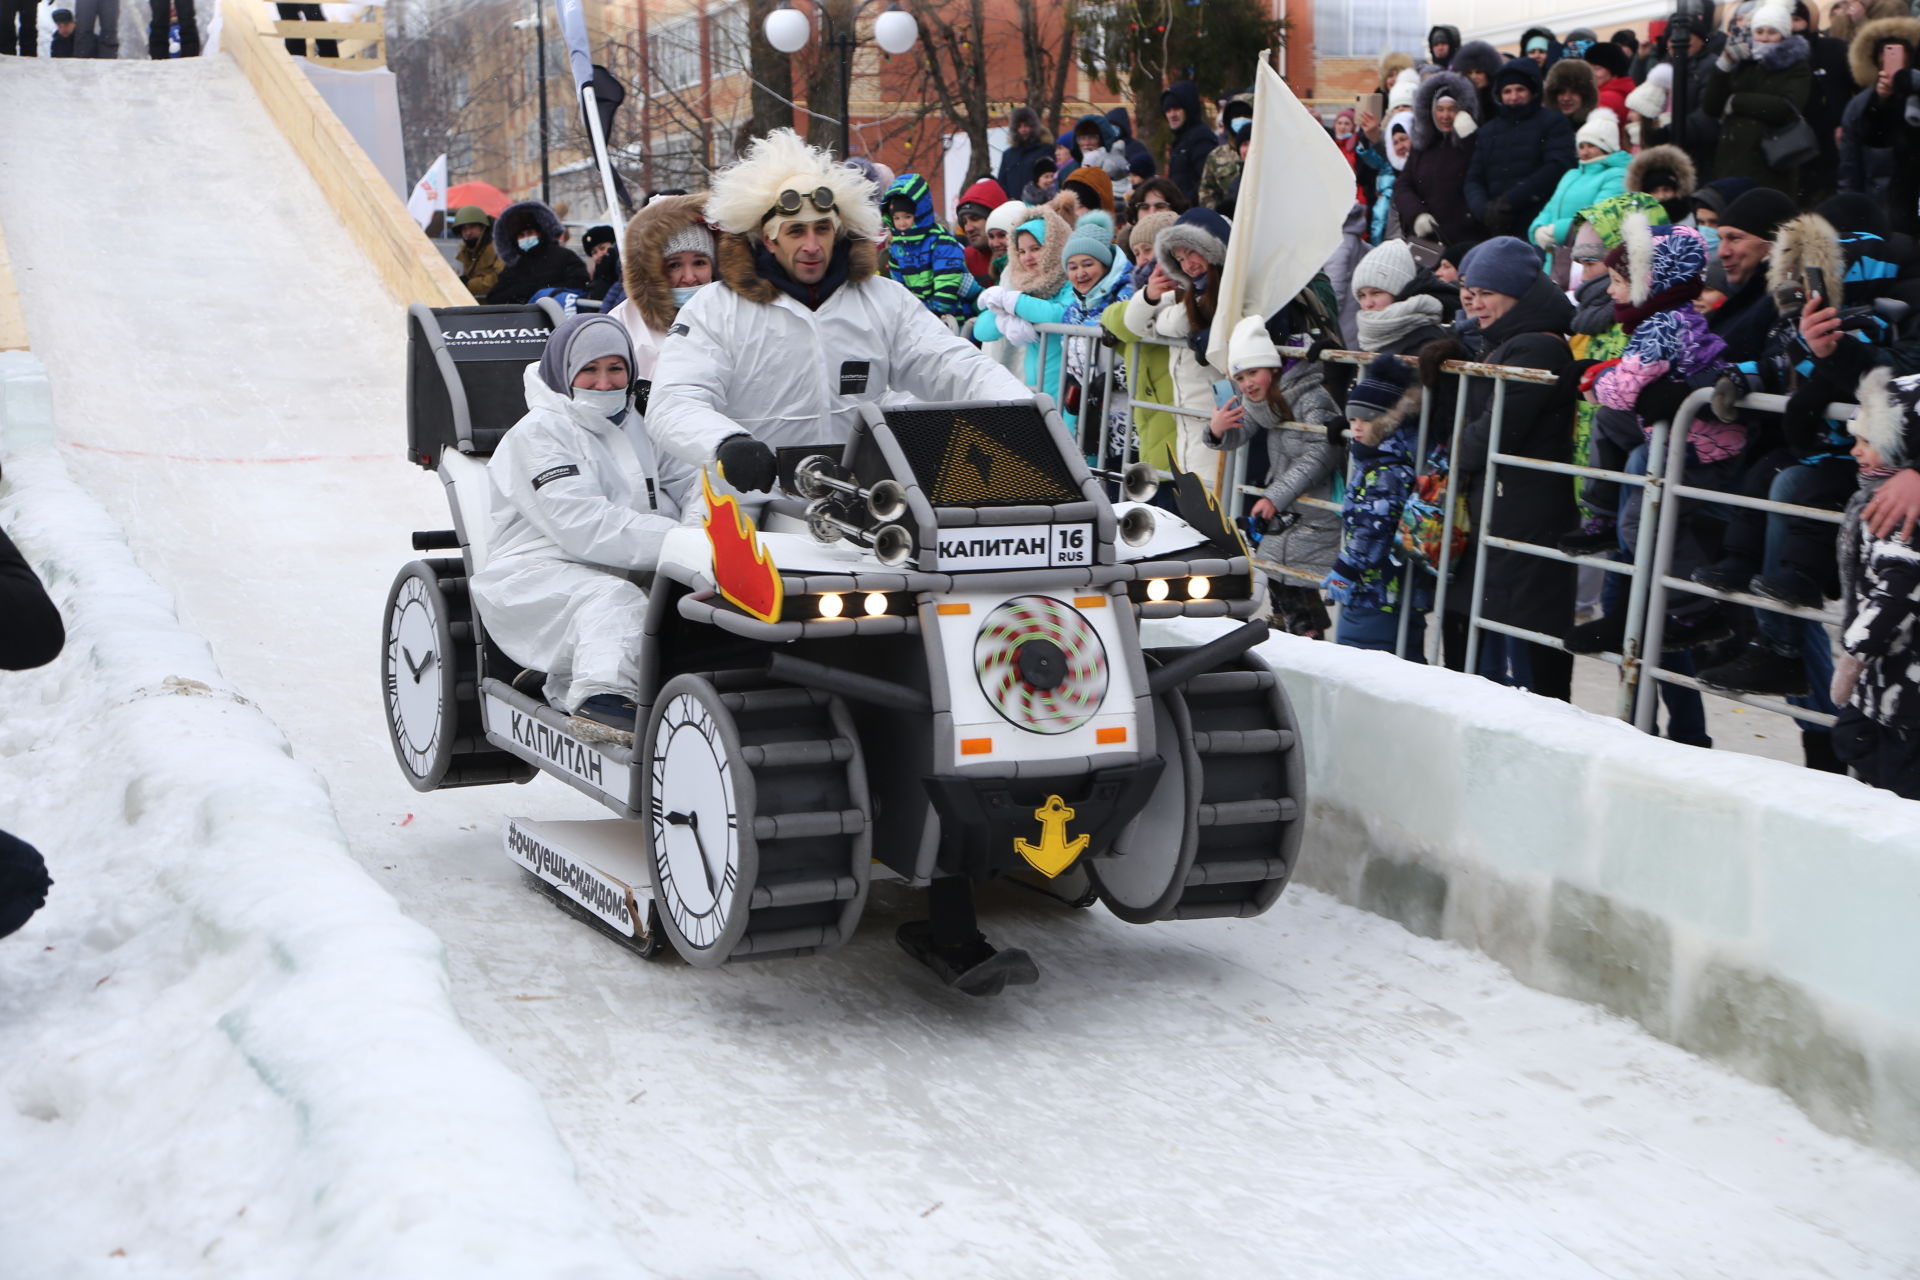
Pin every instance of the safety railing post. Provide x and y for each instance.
(1488, 492)
(1438, 653)
(1662, 559)
(1633, 658)
(1409, 570)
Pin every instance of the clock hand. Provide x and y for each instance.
(418, 669)
(691, 821)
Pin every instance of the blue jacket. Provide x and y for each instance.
(928, 259)
(1518, 156)
(1370, 572)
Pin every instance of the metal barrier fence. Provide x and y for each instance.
(1650, 581)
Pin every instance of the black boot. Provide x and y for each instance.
(1730, 574)
(1788, 586)
(1605, 634)
(1818, 746)
(1759, 670)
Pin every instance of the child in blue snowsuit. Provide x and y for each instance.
(1369, 577)
(925, 256)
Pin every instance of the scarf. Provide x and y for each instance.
(1378, 329)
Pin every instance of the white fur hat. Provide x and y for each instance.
(1250, 347)
(1601, 130)
(1889, 417)
(746, 192)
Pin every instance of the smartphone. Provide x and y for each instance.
(1223, 393)
(1374, 103)
(1815, 280)
(1893, 57)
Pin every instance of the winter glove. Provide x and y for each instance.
(1726, 393)
(1496, 215)
(1018, 330)
(1339, 584)
(1423, 225)
(1463, 125)
(1000, 299)
(1660, 400)
(746, 463)
(1568, 387)
(1544, 236)
(1197, 343)
(1846, 674)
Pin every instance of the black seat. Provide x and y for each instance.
(464, 372)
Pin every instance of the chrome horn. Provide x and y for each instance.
(1138, 483)
(1136, 527)
(891, 544)
(814, 478)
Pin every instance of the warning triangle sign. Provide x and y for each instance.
(977, 468)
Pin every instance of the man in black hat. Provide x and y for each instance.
(1747, 229)
(61, 46)
(603, 260)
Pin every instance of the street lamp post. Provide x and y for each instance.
(895, 31)
(539, 24)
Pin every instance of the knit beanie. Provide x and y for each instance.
(1456, 253)
(1378, 390)
(1149, 225)
(1759, 212)
(1609, 55)
(1889, 417)
(1601, 130)
(1405, 85)
(1648, 101)
(1096, 223)
(692, 238)
(1538, 42)
(578, 342)
(1095, 188)
(1774, 16)
(1503, 265)
(1389, 266)
(1009, 216)
(1251, 347)
(1095, 245)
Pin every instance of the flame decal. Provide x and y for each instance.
(741, 570)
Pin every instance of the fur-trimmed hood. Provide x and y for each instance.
(1666, 159)
(1477, 55)
(1889, 417)
(1453, 85)
(1873, 34)
(643, 267)
(1193, 231)
(1658, 263)
(516, 218)
(1806, 241)
(737, 269)
(1052, 276)
(1782, 54)
(1571, 73)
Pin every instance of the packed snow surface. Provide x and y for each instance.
(236, 1058)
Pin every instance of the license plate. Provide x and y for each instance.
(1016, 546)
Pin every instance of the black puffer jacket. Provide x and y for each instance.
(1889, 123)
(1518, 157)
(1016, 162)
(1435, 178)
(1763, 93)
(551, 265)
(1529, 506)
(1192, 143)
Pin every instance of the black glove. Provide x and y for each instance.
(1496, 215)
(1660, 399)
(1566, 388)
(745, 463)
(1197, 343)
(1319, 346)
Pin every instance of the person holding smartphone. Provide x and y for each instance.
(1891, 118)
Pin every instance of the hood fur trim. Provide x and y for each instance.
(1670, 159)
(780, 161)
(1807, 241)
(1477, 55)
(516, 218)
(1457, 87)
(1052, 276)
(1636, 233)
(1880, 30)
(737, 270)
(1882, 421)
(643, 267)
(1571, 73)
(1186, 236)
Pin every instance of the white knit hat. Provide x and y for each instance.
(1009, 216)
(1601, 130)
(1772, 15)
(1648, 101)
(1405, 85)
(1389, 266)
(1251, 348)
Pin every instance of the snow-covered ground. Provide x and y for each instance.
(1314, 1093)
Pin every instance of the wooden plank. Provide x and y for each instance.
(295, 30)
(348, 64)
(377, 218)
(13, 321)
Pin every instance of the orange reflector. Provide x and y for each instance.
(1109, 735)
(1089, 602)
(975, 746)
(950, 610)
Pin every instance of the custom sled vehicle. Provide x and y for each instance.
(925, 659)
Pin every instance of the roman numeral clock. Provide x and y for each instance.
(417, 669)
(694, 805)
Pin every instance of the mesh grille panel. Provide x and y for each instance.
(996, 456)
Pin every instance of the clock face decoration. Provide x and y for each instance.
(417, 677)
(694, 821)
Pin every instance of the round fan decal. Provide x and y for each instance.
(1041, 664)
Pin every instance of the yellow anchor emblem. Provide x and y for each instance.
(1055, 853)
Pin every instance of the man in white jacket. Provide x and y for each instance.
(579, 506)
(804, 328)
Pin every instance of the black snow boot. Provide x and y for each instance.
(1789, 586)
(1696, 629)
(1605, 634)
(1817, 744)
(1759, 670)
(1731, 574)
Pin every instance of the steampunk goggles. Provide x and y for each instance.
(821, 198)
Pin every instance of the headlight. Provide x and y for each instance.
(875, 604)
(831, 605)
(1157, 589)
(1197, 588)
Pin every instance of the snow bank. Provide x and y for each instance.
(1754, 912)
(224, 1044)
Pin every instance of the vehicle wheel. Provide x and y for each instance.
(759, 821)
(430, 683)
(1222, 831)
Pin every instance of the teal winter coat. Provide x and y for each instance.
(1585, 184)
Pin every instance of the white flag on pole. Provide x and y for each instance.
(430, 193)
(1294, 196)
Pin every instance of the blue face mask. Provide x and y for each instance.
(607, 404)
(683, 295)
(528, 243)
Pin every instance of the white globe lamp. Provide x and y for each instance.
(895, 31)
(788, 30)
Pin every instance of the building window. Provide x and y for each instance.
(1368, 28)
(673, 54)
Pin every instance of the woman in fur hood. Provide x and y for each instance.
(1570, 90)
(670, 255)
(1177, 303)
(1759, 85)
(1431, 193)
(530, 241)
(1033, 290)
(1890, 116)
